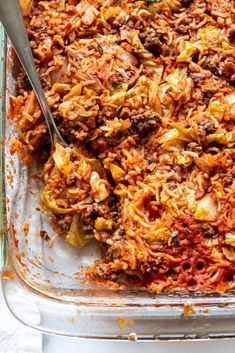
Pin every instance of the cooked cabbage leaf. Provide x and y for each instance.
(77, 236)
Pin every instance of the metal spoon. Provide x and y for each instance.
(12, 20)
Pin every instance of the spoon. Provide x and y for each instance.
(12, 20)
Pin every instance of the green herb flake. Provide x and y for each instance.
(187, 228)
(176, 243)
(174, 234)
(101, 50)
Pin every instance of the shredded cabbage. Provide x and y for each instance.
(99, 187)
(117, 172)
(207, 209)
(209, 38)
(61, 157)
(26, 6)
(51, 205)
(230, 239)
(229, 253)
(77, 236)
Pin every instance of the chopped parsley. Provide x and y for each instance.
(176, 243)
(186, 228)
(101, 50)
(174, 234)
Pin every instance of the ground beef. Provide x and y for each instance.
(232, 36)
(143, 122)
(186, 3)
(182, 29)
(228, 178)
(44, 235)
(206, 127)
(117, 79)
(61, 223)
(222, 66)
(229, 70)
(194, 147)
(151, 41)
(209, 88)
(209, 230)
(23, 82)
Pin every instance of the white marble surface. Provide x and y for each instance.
(16, 338)
(61, 345)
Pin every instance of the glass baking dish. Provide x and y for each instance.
(45, 286)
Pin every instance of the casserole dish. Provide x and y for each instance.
(45, 286)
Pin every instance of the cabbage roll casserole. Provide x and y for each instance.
(143, 92)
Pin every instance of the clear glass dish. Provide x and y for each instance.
(45, 286)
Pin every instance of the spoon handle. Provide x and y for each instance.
(12, 20)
